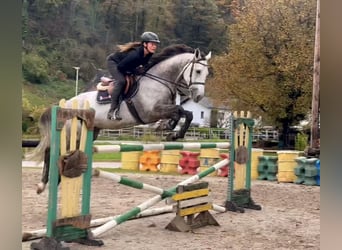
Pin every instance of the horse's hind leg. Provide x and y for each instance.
(46, 167)
(45, 173)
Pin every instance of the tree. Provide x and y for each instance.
(199, 25)
(268, 67)
(127, 20)
(314, 139)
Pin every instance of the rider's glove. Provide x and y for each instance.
(139, 70)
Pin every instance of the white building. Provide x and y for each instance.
(203, 111)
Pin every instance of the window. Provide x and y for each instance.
(202, 114)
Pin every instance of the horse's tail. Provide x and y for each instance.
(44, 124)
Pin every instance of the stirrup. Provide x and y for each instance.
(114, 115)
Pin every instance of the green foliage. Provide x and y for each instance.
(30, 115)
(199, 23)
(35, 68)
(82, 33)
(268, 69)
(301, 141)
(49, 93)
(36, 98)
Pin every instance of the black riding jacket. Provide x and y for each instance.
(128, 61)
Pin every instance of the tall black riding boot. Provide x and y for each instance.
(113, 113)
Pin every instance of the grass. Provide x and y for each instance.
(115, 157)
(49, 93)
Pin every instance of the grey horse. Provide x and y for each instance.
(175, 68)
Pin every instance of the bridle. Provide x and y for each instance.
(180, 85)
(192, 64)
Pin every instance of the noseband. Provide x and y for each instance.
(183, 86)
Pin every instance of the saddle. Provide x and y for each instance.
(105, 89)
(106, 85)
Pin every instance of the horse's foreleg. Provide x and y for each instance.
(174, 113)
(173, 122)
(96, 133)
(45, 173)
(188, 119)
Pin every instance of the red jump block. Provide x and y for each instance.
(224, 171)
(189, 163)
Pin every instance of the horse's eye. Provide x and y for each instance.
(198, 71)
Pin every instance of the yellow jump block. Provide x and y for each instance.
(190, 194)
(194, 210)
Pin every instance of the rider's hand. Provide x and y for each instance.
(139, 70)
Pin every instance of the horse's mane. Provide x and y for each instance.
(168, 52)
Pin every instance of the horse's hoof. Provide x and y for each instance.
(40, 188)
(160, 126)
(169, 137)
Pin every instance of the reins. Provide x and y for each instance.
(179, 84)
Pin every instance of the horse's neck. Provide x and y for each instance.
(172, 67)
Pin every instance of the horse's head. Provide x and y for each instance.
(195, 75)
(183, 67)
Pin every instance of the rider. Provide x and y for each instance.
(129, 60)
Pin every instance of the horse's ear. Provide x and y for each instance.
(197, 54)
(207, 57)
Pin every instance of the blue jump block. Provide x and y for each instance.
(318, 176)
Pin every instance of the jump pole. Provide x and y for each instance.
(132, 183)
(40, 233)
(36, 234)
(143, 206)
(148, 147)
(140, 185)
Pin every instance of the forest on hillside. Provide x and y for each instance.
(262, 50)
(66, 33)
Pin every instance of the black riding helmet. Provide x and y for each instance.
(149, 36)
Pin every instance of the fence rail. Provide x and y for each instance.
(191, 134)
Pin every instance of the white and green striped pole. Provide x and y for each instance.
(36, 234)
(149, 147)
(140, 185)
(145, 205)
(132, 183)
